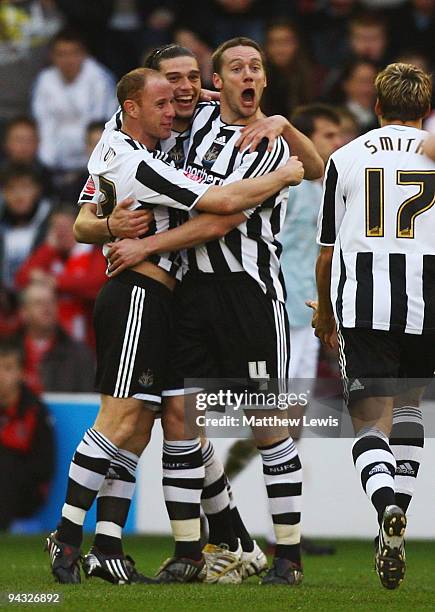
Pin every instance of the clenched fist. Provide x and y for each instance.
(294, 171)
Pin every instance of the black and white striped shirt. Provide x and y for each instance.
(175, 147)
(253, 246)
(121, 167)
(378, 211)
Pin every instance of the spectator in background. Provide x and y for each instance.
(26, 441)
(218, 20)
(76, 271)
(118, 32)
(368, 38)
(66, 98)
(26, 26)
(321, 124)
(291, 77)
(419, 59)
(9, 317)
(134, 27)
(20, 146)
(349, 128)
(22, 219)
(91, 17)
(238, 18)
(328, 31)
(192, 41)
(367, 42)
(413, 27)
(53, 360)
(414, 57)
(70, 190)
(356, 92)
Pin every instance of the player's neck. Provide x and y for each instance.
(133, 129)
(180, 125)
(228, 115)
(417, 123)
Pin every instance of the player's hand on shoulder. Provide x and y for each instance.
(124, 254)
(293, 171)
(207, 95)
(125, 223)
(266, 127)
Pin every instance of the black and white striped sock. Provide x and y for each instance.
(87, 472)
(376, 466)
(113, 502)
(406, 443)
(215, 500)
(283, 478)
(239, 526)
(183, 481)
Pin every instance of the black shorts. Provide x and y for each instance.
(377, 363)
(133, 325)
(225, 327)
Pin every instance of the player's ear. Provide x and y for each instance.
(131, 108)
(378, 110)
(217, 81)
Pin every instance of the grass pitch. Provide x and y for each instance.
(345, 581)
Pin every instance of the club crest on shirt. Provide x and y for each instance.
(146, 379)
(176, 154)
(217, 145)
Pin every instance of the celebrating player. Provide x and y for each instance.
(225, 523)
(250, 325)
(129, 379)
(180, 68)
(375, 279)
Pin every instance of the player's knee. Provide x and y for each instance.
(117, 420)
(173, 424)
(127, 428)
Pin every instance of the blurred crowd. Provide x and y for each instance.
(59, 63)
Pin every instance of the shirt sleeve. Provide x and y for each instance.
(89, 193)
(158, 183)
(333, 207)
(259, 162)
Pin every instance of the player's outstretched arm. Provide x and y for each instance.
(228, 200)
(122, 223)
(203, 228)
(323, 317)
(300, 145)
(248, 193)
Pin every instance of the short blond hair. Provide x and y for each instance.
(131, 85)
(404, 92)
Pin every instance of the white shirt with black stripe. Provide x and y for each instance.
(121, 168)
(175, 147)
(253, 246)
(379, 213)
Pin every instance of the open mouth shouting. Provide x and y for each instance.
(248, 97)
